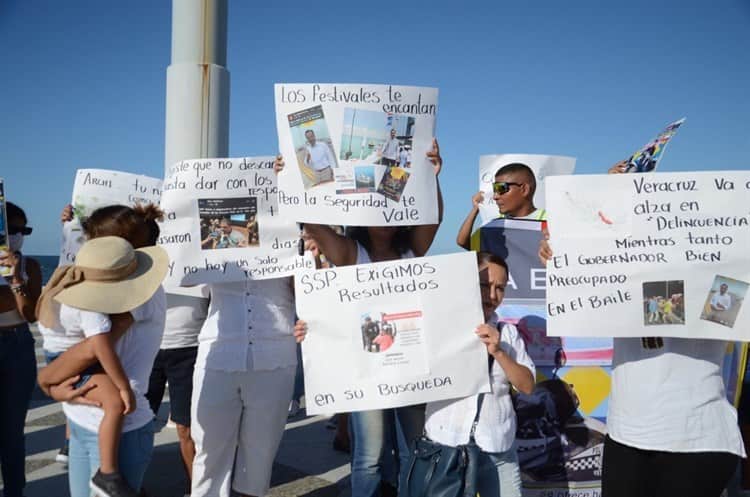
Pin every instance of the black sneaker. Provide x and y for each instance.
(111, 485)
(62, 456)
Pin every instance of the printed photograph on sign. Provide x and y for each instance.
(393, 183)
(377, 137)
(364, 179)
(380, 330)
(313, 147)
(663, 302)
(228, 222)
(724, 300)
(392, 339)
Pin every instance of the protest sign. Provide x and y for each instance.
(541, 165)
(223, 222)
(4, 270)
(95, 188)
(649, 255)
(647, 157)
(356, 154)
(391, 334)
(517, 242)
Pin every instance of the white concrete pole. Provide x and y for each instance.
(197, 114)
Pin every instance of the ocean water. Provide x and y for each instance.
(48, 264)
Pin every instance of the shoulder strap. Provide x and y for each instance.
(480, 400)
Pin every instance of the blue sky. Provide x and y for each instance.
(83, 83)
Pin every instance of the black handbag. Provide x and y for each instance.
(437, 470)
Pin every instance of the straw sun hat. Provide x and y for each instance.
(109, 276)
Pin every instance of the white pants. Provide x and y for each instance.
(242, 413)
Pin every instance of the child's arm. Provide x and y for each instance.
(105, 353)
(76, 359)
(519, 375)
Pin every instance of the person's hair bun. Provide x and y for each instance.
(149, 212)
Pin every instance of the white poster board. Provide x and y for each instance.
(660, 254)
(95, 188)
(542, 165)
(223, 223)
(356, 154)
(430, 307)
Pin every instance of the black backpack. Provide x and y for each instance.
(541, 417)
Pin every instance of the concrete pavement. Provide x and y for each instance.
(306, 464)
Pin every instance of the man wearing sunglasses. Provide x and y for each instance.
(513, 192)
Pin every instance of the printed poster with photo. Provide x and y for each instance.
(223, 222)
(356, 154)
(391, 334)
(648, 156)
(541, 165)
(656, 255)
(95, 188)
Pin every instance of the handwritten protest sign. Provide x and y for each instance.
(223, 222)
(355, 154)
(391, 334)
(542, 165)
(95, 188)
(649, 255)
(648, 156)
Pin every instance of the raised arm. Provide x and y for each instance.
(463, 239)
(339, 250)
(81, 355)
(422, 236)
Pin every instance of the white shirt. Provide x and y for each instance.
(320, 156)
(449, 421)
(136, 350)
(672, 398)
(725, 300)
(250, 317)
(364, 258)
(57, 339)
(390, 148)
(185, 316)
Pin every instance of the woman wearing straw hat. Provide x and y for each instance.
(111, 288)
(18, 296)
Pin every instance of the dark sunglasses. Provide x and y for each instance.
(503, 187)
(25, 231)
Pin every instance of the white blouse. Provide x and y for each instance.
(672, 398)
(449, 421)
(254, 316)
